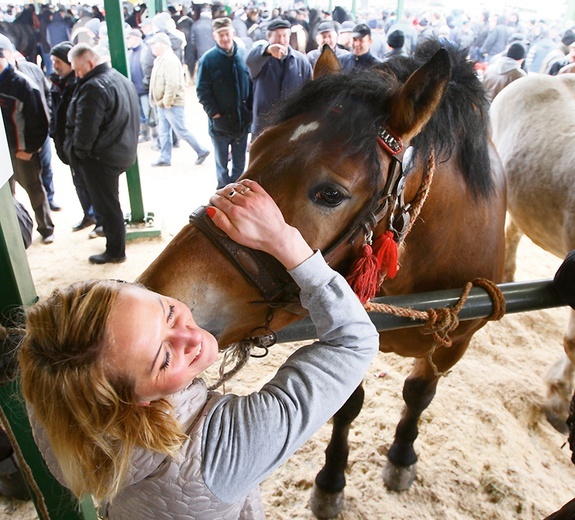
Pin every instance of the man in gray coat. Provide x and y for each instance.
(277, 71)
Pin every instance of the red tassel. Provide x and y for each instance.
(373, 265)
(385, 248)
(364, 275)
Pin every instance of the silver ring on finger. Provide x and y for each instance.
(231, 194)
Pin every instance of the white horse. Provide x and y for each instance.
(533, 122)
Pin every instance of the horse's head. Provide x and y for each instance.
(324, 160)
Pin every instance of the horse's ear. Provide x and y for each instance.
(417, 100)
(327, 63)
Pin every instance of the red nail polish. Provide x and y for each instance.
(211, 211)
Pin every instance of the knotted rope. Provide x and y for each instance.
(236, 354)
(440, 323)
(422, 193)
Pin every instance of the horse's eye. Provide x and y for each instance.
(328, 195)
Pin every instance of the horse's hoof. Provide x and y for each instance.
(324, 504)
(398, 478)
(556, 420)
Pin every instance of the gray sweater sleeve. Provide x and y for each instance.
(246, 437)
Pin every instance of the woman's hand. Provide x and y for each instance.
(249, 216)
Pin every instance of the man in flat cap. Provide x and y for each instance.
(277, 70)
(224, 88)
(344, 38)
(326, 35)
(360, 56)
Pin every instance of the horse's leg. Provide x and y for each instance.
(512, 237)
(559, 381)
(418, 392)
(327, 495)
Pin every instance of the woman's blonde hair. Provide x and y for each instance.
(90, 414)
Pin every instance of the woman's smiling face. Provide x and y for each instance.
(155, 341)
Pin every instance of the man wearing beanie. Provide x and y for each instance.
(395, 42)
(504, 70)
(64, 82)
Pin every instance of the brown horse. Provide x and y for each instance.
(331, 163)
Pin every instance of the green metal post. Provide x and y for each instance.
(17, 287)
(115, 23)
(399, 12)
(161, 6)
(570, 14)
(16, 292)
(139, 221)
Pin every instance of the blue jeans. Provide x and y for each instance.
(144, 107)
(47, 173)
(173, 119)
(221, 148)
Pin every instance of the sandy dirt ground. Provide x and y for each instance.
(485, 449)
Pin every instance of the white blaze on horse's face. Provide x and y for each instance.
(304, 129)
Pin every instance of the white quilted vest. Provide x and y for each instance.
(160, 488)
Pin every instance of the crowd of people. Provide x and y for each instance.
(264, 54)
(58, 91)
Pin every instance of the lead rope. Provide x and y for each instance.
(237, 354)
(39, 502)
(421, 195)
(440, 323)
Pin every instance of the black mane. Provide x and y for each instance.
(353, 106)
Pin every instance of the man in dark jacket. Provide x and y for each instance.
(277, 71)
(26, 127)
(102, 127)
(224, 88)
(360, 56)
(63, 83)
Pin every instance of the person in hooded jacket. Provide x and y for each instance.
(504, 70)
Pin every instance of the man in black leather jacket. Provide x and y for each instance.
(102, 127)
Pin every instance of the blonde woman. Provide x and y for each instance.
(110, 376)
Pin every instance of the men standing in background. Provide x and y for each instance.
(63, 83)
(135, 58)
(167, 94)
(26, 128)
(504, 70)
(224, 88)
(277, 71)
(36, 74)
(360, 56)
(326, 35)
(101, 141)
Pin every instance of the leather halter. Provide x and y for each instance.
(270, 277)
